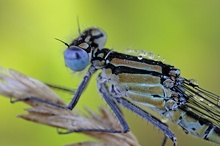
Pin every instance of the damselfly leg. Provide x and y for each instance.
(103, 89)
(58, 87)
(75, 98)
(153, 120)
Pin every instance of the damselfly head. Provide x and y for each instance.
(78, 54)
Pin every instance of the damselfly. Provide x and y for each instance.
(127, 80)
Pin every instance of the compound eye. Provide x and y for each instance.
(76, 58)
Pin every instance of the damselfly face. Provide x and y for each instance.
(78, 54)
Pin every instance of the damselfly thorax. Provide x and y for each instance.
(129, 80)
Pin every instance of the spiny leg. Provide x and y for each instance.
(103, 91)
(75, 98)
(81, 87)
(153, 120)
(150, 118)
(39, 100)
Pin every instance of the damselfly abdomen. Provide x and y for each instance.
(126, 80)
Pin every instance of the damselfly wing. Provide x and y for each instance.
(130, 80)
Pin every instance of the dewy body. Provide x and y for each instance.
(126, 80)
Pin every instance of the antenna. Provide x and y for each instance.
(77, 19)
(62, 42)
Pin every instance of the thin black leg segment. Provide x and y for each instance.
(81, 87)
(39, 100)
(150, 118)
(104, 92)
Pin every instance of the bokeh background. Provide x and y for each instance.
(185, 32)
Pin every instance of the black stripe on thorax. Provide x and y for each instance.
(123, 69)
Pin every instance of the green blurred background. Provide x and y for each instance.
(185, 32)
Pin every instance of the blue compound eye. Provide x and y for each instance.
(76, 58)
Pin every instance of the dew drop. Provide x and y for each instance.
(210, 104)
(150, 55)
(140, 57)
(135, 51)
(164, 120)
(163, 60)
(194, 82)
(197, 98)
(157, 57)
(128, 50)
(201, 99)
(143, 53)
